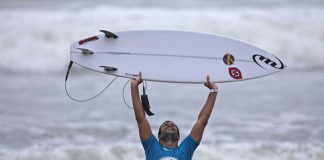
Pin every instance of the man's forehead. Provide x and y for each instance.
(169, 122)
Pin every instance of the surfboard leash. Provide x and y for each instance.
(146, 103)
(126, 104)
(144, 96)
(84, 100)
(144, 99)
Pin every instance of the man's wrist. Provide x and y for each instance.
(214, 90)
(134, 85)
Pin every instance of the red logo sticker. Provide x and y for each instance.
(88, 40)
(235, 73)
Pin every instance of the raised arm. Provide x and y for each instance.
(198, 128)
(144, 127)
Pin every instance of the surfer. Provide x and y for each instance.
(166, 147)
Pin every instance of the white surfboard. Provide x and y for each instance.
(173, 56)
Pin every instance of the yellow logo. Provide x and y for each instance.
(228, 59)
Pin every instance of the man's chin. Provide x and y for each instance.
(169, 136)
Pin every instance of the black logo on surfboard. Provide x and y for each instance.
(265, 62)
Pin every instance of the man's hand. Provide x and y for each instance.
(210, 84)
(138, 80)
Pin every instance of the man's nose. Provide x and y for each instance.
(169, 124)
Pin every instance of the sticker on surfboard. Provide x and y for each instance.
(235, 73)
(267, 63)
(228, 59)
(93, 38)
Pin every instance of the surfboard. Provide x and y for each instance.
(173, 56)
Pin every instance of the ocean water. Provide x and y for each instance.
(275, 117)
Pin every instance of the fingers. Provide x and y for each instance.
(140, 75)
(209, 83)
(139, 78)
(136, 80)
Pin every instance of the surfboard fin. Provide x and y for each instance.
(85, 51)
(146, 103)
(109, 69)
(109, 34)
(68, 71)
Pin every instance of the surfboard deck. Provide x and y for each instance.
(173, 56)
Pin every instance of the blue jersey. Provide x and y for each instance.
(154, 151)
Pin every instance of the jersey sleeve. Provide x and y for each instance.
(189, 145)
(148, 146)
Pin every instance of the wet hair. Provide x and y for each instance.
(178, 132)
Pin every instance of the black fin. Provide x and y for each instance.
(109, 69)
(109, 34)
(85, 51)
(68, 71)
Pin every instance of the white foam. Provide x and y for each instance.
(232, 151)
(39, 40)
(260, 151)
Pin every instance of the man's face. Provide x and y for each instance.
(169, 127)
(169, 130)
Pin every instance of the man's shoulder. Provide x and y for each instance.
(189, 142)
(150, 142)
(149, 138)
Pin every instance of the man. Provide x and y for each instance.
(167, 147)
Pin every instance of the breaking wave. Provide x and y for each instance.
(39, 40)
